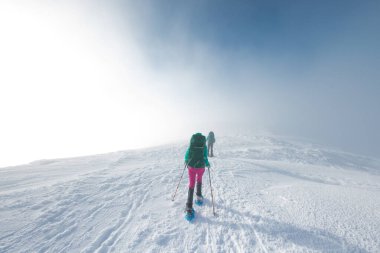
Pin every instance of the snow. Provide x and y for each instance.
(271, 195)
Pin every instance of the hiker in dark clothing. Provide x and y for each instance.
(210, 144)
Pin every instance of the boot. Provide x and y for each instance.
(199, 189)
(199, 197)
(189, 203)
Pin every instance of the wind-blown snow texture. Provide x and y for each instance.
(271, 196)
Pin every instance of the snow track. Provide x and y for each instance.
(270, 196)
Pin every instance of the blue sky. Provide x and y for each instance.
(98, 76)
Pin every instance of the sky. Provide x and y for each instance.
(87, 77)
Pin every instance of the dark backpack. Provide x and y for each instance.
(196, 151)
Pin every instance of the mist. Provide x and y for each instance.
(301, 69)
(100, 76)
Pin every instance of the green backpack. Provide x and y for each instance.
(196, 151)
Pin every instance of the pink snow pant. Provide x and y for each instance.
(195, 173)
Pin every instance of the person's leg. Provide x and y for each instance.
(199, 181)
(200, 173)
(192, 175)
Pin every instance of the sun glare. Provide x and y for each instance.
(64, 93)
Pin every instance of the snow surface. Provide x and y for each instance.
(271, 195)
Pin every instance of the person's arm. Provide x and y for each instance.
(205, 154)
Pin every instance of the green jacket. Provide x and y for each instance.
(205, 154)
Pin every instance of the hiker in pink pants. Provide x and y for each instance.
(196, 160)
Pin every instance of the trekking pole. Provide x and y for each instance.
(212, 196)
(179, 182)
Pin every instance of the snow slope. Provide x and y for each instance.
(271, 195)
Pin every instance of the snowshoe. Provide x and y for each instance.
(190, 214)
(199, 200)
